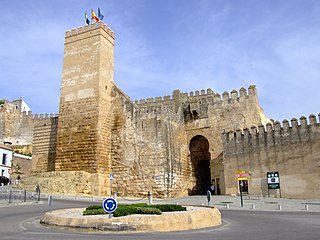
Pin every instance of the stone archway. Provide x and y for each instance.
(200, 158)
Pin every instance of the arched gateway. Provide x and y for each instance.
(200, 158)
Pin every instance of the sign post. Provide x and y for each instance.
(109, 205)
(242, 176)
(111, 178)
(241, 198)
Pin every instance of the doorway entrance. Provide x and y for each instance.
(200, 158)
(245, 187)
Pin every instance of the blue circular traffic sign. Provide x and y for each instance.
(109, 205)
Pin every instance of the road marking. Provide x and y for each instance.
(35, 221)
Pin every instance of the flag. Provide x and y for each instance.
(100, 14)
(94, 17)
(86, 19)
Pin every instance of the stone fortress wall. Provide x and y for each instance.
(149, 149)
(292, 150)
(151, 137)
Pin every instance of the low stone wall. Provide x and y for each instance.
(64, 182)
(193, 218)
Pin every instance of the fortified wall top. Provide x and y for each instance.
(226, 96)
(270, 132)
(89, 28)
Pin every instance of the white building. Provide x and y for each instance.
(6, 154)
(21, 105)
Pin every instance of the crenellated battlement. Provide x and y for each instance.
(275, 133)
(226, 96)
(167, 98)
(38, 116)
(88, 28)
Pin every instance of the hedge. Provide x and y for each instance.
(139, 208)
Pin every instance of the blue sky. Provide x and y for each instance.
(163, 45)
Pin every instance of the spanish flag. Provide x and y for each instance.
(94, 17)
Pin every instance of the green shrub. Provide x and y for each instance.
(94, 212)
(169, 207)
(138, 208)
(124, 211)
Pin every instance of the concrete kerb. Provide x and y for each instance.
(193, 218)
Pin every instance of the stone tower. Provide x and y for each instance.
(84, 127)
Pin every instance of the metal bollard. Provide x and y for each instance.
(306, 207)
(39, 195)
(279, 207)
(25, 196)
(61, 195)
(150, 197)
(227, 206)
(92, 199)
(253, 206)
(10, 196)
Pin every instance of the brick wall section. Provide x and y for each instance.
(44, 144)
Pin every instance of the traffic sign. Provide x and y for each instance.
(109, 205)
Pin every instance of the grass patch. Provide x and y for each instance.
(139, 208)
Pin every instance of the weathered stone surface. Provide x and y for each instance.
(66, 182)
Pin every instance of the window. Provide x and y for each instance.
(4, 159)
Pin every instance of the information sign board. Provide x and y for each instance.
(273, 180)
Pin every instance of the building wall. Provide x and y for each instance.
(21, 166)
(44, 144)
(293, 151)
(5, 160)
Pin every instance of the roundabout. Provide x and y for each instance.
(193, 218)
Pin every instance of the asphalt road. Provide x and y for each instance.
(22, 222)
